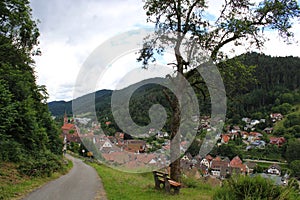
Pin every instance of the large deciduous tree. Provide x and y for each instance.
(240, 22)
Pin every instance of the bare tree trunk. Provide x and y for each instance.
(175, 171)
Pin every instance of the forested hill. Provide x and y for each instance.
(272, 77)
(28, 135)
(277, 82)
(59, 108)
(272, 72)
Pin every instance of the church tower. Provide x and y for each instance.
(65, 118)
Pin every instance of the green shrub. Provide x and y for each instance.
(10, 150)
(253, 188)
(42, 164)
(190, 182)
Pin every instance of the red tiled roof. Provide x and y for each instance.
(236, 161)
(278, 141)
(225, 138)
(218, 164)
(218, 158)
(68, 126)
(73, 138)
(145, 158)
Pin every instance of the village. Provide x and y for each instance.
(137, 154)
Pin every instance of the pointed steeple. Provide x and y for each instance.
(65, 118)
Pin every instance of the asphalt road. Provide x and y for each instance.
(264, 161)
(81, 183)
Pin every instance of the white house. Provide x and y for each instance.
(274, 169)
(205, 162)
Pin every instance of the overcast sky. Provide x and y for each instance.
(71, 29)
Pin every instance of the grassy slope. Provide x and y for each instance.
(128, 186)
(13, 185)
(279, 125)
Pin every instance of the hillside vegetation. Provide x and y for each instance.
(28, 135)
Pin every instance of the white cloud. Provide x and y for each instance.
(72, 29)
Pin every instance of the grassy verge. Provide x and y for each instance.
(14, 185)
(129, 186)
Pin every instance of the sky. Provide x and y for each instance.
(72, 29)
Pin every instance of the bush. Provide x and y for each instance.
(190, 182)
(42, 164)
(293, 183)
(253, 188)
(10, 150)
(295, 167)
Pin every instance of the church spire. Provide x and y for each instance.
(65, 118)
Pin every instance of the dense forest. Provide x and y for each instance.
(276, 82)
(28, 135)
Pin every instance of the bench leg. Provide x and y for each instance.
(168, 188)
(176, 190)
(159, 185)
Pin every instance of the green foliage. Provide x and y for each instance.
(192, 182)
(270, 152)
(295, 167)
(71, 131)
(187, 17)
(17, 25)
(293, 183)
(26, 128)
(7, 109)
(250, 188)
(289, 126)
(287, 98)
(276, 86)
(41, 164)
(292, 151)
(237, 75)
(229, 150)
(10, 150)
(258, 169)
(284, 108)
(292, 120)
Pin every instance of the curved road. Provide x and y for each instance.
(81, 183)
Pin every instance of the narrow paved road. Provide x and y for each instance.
(265, 161)
(81, 183)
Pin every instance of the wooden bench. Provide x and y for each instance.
(163, 181)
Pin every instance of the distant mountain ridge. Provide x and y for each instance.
(59, 108)
(102, 98)
(275, 76)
